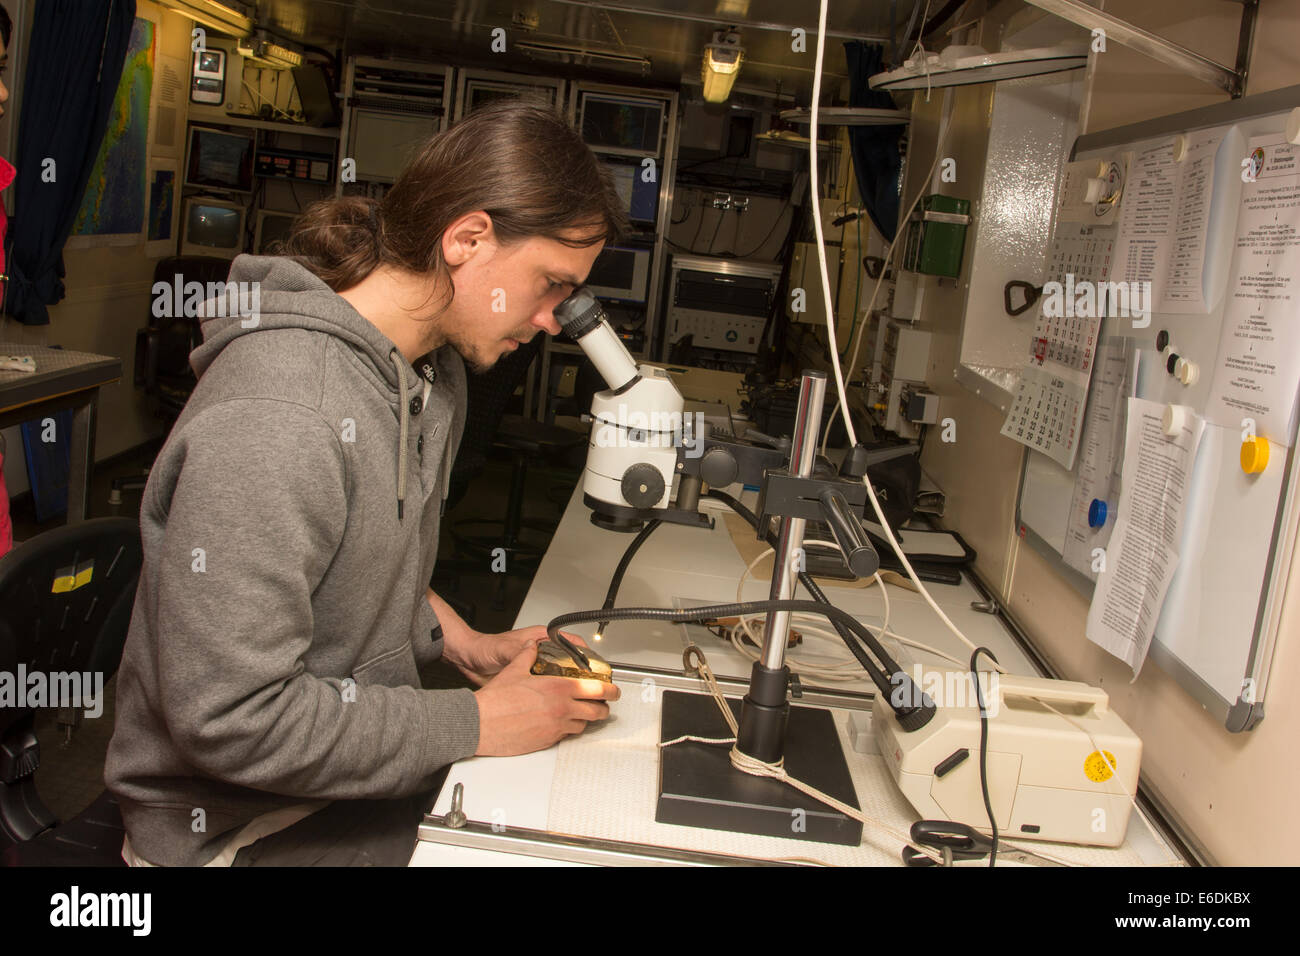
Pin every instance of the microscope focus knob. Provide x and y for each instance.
(643, 485)
(718, 468)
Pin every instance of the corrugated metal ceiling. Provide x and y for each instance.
(671, 34)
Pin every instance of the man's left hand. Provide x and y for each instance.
(482, 656)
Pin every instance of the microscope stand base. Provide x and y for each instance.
(699, 787)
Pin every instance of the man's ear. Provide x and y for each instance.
(467, 237)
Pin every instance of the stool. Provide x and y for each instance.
(522, 540)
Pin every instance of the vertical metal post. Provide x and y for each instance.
(1245, 42)
(803, 449)
(765, 708)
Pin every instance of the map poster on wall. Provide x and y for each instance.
(113, 208)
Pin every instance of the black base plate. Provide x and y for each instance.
(614, 517)
(698, 787)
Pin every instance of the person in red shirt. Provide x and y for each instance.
(7, 174)
(7, 171)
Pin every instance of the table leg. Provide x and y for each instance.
(82, 458)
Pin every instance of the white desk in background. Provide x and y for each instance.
(602, 783)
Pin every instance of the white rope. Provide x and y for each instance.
(758, 768)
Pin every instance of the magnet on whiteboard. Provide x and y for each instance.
(1180, 367)
(1254, 455)
(1189, 373)
(1293, 127)
(1180, 148)
(1174, 419)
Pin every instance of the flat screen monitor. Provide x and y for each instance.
(383, 142)
(480, 91)
(212, 227)
(640, 198)
(220, 160)
(621, 125)
(620, 273)
(272, 229)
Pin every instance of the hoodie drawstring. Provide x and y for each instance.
(403, 415)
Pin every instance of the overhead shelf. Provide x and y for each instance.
(848, 116)
(331, 132)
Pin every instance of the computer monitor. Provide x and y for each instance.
(220, 160)
(621, 125)
(621, 274)
(272, 229)
(480, 91)
(212, 227)
(383, 142)
(640, 199)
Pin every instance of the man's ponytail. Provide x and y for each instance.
(340, 240)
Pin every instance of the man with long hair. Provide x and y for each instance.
(269, 708)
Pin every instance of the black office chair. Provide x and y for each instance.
(67, 595)
(487, 425)
(162, 351)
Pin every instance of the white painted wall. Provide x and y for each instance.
(1232, 793)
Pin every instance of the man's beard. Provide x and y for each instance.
(475, 357)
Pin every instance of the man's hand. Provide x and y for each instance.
(520, 712)
(480, 656)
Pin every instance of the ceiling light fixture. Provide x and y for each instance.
(268, 53)
(721, 66)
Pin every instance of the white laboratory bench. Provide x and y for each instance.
(600, 787)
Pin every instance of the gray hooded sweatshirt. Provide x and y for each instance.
(290, 526)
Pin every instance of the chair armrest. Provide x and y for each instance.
(146, 358)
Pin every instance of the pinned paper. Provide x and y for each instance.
(1257, 375)
(1143, 551)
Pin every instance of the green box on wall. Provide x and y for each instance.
(936, 235)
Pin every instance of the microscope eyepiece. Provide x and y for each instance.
(579, 313)
(583, 317)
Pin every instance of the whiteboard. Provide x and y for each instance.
(1218, 622)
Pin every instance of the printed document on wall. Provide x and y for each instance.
(1160, 252)
(1143, 551)
(1259, 352)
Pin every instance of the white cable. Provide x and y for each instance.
(261, 99)
(925, 63)
(884, 594)
(749, 623)
(830, 328)
(838, 670)
(814, 185)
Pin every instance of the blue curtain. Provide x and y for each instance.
(74, 64)
(875, 148)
